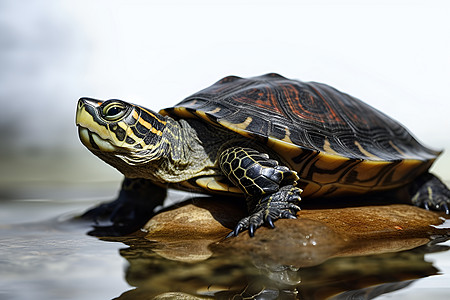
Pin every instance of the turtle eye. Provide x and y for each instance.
(113, 111)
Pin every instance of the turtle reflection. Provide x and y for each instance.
(230, 276)
(308, 258)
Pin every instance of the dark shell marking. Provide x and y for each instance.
(334, 141)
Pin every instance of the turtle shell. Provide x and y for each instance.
(327, 136)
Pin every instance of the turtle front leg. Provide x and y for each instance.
(133, 208)
(269, 188)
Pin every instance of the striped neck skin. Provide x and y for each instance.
(121, 133)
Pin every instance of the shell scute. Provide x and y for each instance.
(310, 115)
(334, 141)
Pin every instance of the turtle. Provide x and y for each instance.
(268, 139)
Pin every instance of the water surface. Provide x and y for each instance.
(46, 254)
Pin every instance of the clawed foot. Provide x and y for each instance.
(279, 205)
(432, 195)
(132, 209)
(116, 211)
(118, 218)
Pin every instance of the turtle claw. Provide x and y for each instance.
(230, 234)
(251, 230)
(279, 205)
(431, 194)
(236, 230)
(288, 215)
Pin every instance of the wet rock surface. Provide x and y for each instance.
(185, 233)
(201, 217)
(196, 229)
(338, 253)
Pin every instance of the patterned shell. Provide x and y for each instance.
(335, 142)
(310, 115)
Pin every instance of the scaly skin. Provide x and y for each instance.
(269, 188)
(430, 193)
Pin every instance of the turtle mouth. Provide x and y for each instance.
(94, 142)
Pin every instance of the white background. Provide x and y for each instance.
(394, 55)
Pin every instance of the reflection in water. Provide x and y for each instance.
(55, 259)
(225, 276)
(256, 268)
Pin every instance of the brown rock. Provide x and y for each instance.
(320, 234)
(185, 233)
(177, 295)
(194, 231)
(197, 219)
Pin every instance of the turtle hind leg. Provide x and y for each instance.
(431, 193)
(130, 211)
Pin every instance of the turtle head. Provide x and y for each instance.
(120, 133)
